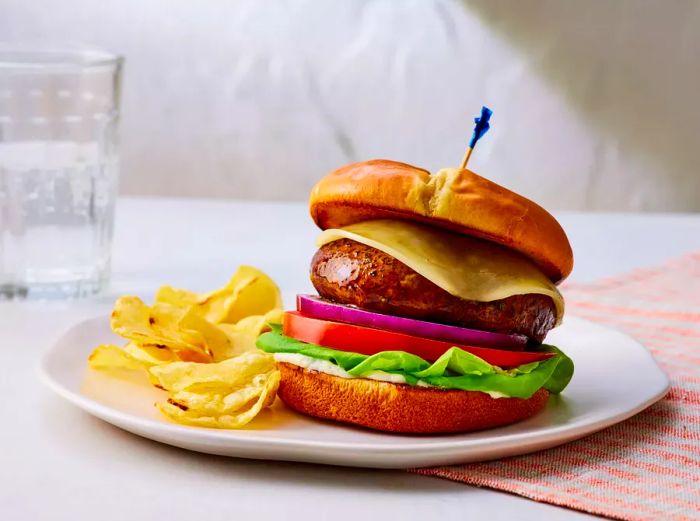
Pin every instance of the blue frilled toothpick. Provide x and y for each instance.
(482, 127)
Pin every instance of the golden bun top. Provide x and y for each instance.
(452, 199)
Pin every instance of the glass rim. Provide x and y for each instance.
(44, 58)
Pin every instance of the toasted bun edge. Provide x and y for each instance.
(399, 408)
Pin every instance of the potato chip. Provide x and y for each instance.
(229, 374)
(218, 344)
(111, 357)
(226, 394)
(150, 355)
(174, 411)
(201, 348)
(131, 357)
(257, 324)
(242, 335)
(183, 332)
(158, 326)
(249, 292)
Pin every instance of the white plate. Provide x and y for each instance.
(615, 378)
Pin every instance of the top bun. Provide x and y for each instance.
(453, 199)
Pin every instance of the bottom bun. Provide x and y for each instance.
(397, 407)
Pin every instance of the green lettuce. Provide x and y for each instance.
(455, 369)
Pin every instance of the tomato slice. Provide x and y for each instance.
(368, 341)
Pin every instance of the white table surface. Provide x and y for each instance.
(58, 463)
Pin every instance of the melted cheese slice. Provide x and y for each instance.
(467, 268)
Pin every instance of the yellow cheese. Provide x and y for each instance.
(467, 268)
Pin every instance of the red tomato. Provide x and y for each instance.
(368, 341)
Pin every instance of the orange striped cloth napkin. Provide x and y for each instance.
(648, 467)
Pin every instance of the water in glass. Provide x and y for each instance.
(59, 111)
(56, 207)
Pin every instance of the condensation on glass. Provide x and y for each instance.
(59, 164)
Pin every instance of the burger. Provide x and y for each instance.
(435, 294)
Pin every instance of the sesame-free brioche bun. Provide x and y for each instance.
(397, 407)
(454, 199)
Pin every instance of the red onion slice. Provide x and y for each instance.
(317, 307)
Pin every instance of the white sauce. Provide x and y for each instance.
(385, 377)
(314, 364)
(324, 366)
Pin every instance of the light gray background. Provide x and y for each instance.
(596, 102)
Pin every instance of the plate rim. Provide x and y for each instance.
(561, 433)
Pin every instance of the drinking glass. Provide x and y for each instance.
(59, 164)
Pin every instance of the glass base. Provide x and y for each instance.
(52, 290)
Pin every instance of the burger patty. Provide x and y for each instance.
(350, 272)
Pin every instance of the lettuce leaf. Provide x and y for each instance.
(455, 369)
(563, 372)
